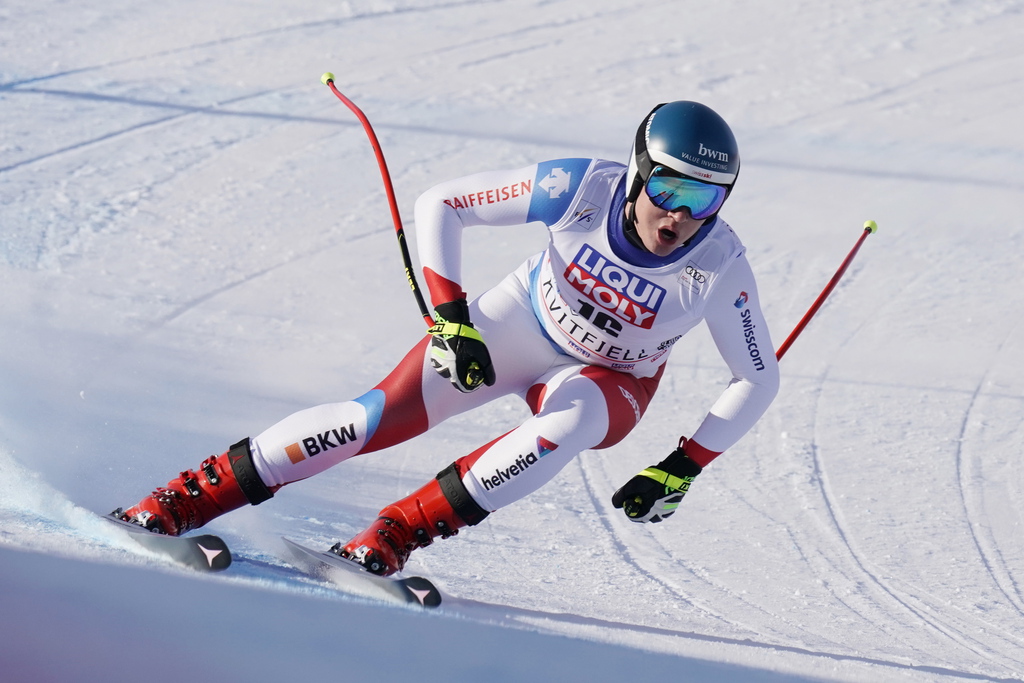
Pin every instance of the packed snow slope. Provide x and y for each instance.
(194, 243)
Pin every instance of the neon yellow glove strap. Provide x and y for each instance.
(671, 482)
(443, 328)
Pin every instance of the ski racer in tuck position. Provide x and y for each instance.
(637, 257)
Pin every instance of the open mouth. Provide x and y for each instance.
(667, 234)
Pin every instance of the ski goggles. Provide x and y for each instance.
(671, 192)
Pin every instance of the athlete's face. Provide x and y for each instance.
(662, 232)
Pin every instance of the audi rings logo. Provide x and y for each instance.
(696, 274)
(693, 277)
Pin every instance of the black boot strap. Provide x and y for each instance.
(457, 495)
(240, 457)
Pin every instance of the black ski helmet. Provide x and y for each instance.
(689, 138)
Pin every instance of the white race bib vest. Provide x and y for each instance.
(605, 311)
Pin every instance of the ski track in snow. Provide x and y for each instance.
(988, 549)
(754, 643)
(625, 552)
(922, 606)
(675, 588)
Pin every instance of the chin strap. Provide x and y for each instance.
(629, 228)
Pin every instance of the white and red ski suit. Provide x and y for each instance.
(581, 331)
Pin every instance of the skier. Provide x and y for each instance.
(637, 256)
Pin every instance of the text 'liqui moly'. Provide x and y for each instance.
(627, 295)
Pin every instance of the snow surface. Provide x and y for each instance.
(194, 244)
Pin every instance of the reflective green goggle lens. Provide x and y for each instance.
(672, 192)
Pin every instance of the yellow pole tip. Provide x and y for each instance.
(871, 226)
(328, 76)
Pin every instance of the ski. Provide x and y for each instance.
(350, 577)
(205, 553)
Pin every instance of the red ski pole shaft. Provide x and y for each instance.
(410, 274)
(869, 227)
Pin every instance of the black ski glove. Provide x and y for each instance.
(655, 493)
(458, 352)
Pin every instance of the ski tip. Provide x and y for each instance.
(423, 590)
(350, 577)
(214, 551)
(206, 553)
(870, 226)
(327, 77)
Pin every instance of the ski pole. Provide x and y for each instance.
(869, 227)
(328, 80)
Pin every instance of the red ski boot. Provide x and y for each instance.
(222, 484)
(440, 508)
